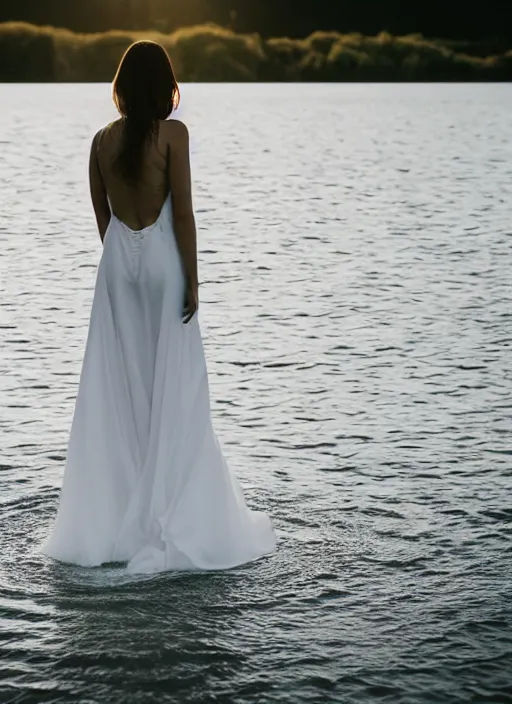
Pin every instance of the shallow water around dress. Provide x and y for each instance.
(355, 258)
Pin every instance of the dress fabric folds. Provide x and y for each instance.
(145, 480)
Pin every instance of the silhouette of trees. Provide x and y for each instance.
(213, 53)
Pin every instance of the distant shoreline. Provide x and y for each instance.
(209, 53)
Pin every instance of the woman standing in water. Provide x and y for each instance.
(145, 479)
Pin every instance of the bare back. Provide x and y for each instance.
(140, 206)
(165, 169)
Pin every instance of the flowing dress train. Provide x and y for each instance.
(145, 480)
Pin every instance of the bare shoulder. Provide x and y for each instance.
(175, 132)
(107, 129)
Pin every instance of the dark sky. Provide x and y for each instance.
(455, 19)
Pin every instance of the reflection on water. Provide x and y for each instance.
(355, 258)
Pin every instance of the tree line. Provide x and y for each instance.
(214, 53)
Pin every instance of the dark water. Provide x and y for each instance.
(356, 256)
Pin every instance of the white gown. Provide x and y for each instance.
(145, 479)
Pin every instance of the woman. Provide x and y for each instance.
(145, 480)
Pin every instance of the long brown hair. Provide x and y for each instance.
(145, 90)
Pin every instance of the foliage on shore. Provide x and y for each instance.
(212, 53)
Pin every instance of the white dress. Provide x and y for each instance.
(145, 479)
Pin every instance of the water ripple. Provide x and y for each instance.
(355, 258)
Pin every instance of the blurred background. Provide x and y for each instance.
(237, 40)
(449, 19)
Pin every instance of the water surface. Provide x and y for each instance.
(355, 253)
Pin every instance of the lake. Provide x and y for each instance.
(356, 305)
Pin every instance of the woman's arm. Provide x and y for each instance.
(98, 192)
(180, 184)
